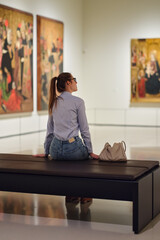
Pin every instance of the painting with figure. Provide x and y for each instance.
(49, 56)
(16, 61)
(145, 70)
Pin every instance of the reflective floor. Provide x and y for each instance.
(32, 216)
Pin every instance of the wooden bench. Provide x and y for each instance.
(136, 181)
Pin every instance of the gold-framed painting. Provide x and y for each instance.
(16, 61)
(145, 70)
(49, 56)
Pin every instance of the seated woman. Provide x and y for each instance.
(66, 119)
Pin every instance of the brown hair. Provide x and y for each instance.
(61, 85)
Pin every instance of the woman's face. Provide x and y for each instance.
(72, 84)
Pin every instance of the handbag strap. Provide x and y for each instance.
(107, 144)
(124, 145)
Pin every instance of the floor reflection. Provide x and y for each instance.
(16, 203)
(55, 207)
(42, 206)
(31, 205)
(50, 206)
(78, 211)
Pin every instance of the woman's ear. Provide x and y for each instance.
(67, 83)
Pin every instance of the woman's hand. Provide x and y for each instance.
(94, 156)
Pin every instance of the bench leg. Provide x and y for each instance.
(142, 203)
(156, 192)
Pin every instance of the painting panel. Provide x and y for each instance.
(49, 56)
(145, 70)
(16, 61)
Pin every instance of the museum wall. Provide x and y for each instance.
(70, 13)
(97, 38)
(109, 27)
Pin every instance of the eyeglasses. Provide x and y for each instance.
(74, 79)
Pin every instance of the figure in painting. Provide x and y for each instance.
(141, 84)
(141, 60)
(60, 55)
(16, 55)
(23, 43)
(51, 59)
(133, 87)
(134, 56)
(7, 56)
(44, 92)
(153, 75)
(30, 46)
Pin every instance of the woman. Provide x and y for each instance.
(66, 118)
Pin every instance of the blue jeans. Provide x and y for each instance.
(64, 150)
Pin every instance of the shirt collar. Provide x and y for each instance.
(65, 93)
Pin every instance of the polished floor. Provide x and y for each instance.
(32, 216)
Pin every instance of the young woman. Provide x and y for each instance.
(67, 118)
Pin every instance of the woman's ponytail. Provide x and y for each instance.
(52, 94)
(57, 84)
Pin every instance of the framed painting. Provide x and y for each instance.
(145, 70)
(16, 61)
(49, 56)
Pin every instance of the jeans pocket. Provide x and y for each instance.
(81, 150)
(70, 147)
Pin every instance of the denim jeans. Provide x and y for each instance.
(64, 150)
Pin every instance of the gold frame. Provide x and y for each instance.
(145, 70)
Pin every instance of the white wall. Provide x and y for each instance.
(70, 13)
(108, 27)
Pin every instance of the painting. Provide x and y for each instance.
(49, 56)
(145, 70)
(16, 61)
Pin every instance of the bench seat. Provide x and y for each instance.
(130, 170)
(135, 180)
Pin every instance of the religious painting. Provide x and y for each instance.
(49, 56)
(145, 70)
(16, 61)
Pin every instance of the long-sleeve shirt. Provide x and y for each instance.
(67, 119)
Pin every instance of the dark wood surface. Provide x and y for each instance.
(130, 170)
(156, 192)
